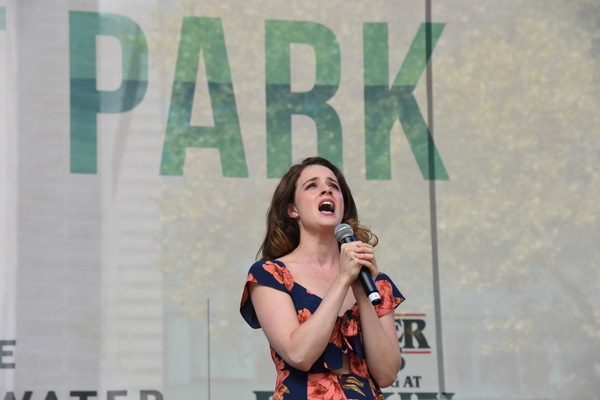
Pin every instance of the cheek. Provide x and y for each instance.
(340, 200)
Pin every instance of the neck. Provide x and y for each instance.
(318, 250)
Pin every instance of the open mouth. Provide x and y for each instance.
(327, 207)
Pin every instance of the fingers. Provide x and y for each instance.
(357, 250)
(362, 254)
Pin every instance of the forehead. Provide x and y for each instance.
(315, 171)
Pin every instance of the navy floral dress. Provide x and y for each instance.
(320, 383)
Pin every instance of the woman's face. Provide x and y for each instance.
(318, 200)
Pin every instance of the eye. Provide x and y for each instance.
(311, 185)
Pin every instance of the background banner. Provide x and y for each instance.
(141, 141)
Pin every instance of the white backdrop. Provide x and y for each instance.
(121, 275)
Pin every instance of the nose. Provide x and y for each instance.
(326, 189)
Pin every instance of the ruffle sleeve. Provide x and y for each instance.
(268, 273)
(389, 293)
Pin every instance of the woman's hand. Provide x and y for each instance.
(354, 256)
(360, 253)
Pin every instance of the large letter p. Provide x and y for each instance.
(86, 100)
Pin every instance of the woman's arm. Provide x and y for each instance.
(380, 342)
(299, 345)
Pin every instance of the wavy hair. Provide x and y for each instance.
(283, 233)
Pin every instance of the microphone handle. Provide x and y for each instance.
(369, 286)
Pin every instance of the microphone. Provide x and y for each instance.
(344, 234)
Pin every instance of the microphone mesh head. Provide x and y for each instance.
(343, 231)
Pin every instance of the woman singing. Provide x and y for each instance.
(327, 340)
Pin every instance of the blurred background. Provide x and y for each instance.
(141, 141)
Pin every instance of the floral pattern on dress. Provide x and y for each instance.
(320, 383)
(324, 386)
(352, 383)
(280, 389)
(303, 315)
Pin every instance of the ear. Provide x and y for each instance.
(292, 211)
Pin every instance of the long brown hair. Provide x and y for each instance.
(283, 233)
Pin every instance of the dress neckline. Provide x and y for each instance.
(308, 292)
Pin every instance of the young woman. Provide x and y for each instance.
(327, 340)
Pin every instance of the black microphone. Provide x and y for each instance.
(344, 234)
